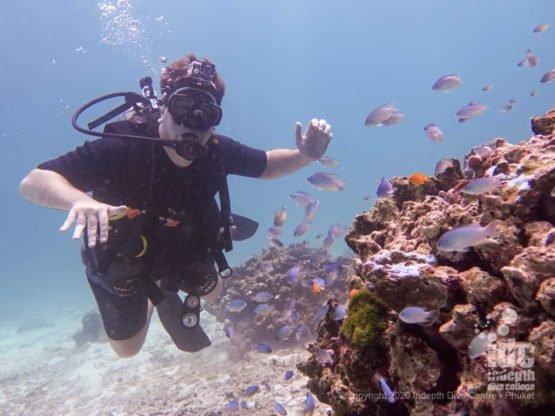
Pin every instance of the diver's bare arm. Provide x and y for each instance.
(281, 162)
(51, 190)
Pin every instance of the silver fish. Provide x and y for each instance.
(466, 236)
(479, 344)
(380, 114)
(389, 395)
(447, 82)
(284, 332)
(531, 60)
(328, 241)
(236, 305)
(395, 118)
(548, 76)
(434, 132)
(275, 230)
(293, 274)
(280, 217)
(262, 297)
(470, 110)
(417, 315)
(340, 313)
(541, 28)
(302, 198)
(480, 186)
(311, 210)
(263, 307)
(328, 162)
(336, 230)
(325, 181)
(276, 242)
(301, 229)
(506, 108)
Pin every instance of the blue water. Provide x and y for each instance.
(283, 62)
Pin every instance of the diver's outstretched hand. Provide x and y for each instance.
(314, 142)
(94, 216)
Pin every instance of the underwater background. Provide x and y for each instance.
(282, 62)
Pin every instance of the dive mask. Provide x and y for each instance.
(194, 109)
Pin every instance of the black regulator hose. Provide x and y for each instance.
(131, 99)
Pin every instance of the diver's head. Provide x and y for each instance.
(192, 72)
(193, 91)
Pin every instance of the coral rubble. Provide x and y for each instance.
(490, 349)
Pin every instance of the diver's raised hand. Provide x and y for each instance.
(94, 216)
(314, 142)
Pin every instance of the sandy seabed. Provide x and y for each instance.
(43, 373)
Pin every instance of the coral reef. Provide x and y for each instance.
(287, 277)
(91, 331)
(490, 349)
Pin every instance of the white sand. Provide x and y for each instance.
(42, 373)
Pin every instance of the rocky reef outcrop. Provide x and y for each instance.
(278, 297)
(453, 331)
(91, 330)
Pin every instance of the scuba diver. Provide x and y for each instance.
(143, 197)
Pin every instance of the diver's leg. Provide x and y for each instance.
(186, 339)
(202, 279)
(125, 318)
(131, 346)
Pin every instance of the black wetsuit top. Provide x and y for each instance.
(180, 201)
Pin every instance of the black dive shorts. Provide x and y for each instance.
(123, 314)
(123, 307)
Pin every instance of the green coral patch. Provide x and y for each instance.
(366, 320)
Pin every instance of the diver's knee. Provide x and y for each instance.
(127, 348)
(126, 353)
